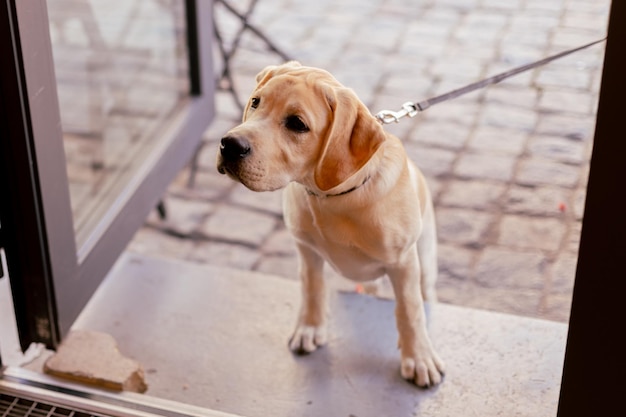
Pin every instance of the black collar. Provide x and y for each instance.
(313, 193)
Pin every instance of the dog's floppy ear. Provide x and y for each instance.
(352, 138)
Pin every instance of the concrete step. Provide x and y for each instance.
(217, 338)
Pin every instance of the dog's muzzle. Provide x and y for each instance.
(233, 150)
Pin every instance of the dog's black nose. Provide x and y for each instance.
(233, 148)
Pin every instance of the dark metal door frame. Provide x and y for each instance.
(52, 279)
(595, 359)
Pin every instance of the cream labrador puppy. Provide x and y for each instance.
(352, 199)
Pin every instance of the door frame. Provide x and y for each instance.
(51, 278)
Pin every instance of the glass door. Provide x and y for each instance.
(105, 101)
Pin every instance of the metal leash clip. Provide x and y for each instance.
(387, 116)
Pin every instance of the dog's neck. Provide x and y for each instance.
(322, 195)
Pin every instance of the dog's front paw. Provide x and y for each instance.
(425, 370)
(306, 339)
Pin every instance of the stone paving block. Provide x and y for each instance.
(445, 135)
(477, 195)
(150, 241)
(281, 242)
(523, 232)
(223, 254)
(234, 224)
(454, 262)
(554, 78)
(268, 201)
(544, 201)
(432, 161)
(511, 117)
(512, 96)
(559, 100)
(283, 266)
(558, 148)
(573, 238)
(556, 307)
(485, 167)
(571, 37)
(566, 125)
(554, 6)
(184, 216)
(490, 139)
(578, 205)
(93, 358)
(536, 171)
(499, 267)
(455, 68)
(466, 227)
(584, 20)
(516, 301)
(563, 274)
(207, 185)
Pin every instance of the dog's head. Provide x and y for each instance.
(300, 124)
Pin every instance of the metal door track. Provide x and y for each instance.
(29, 394)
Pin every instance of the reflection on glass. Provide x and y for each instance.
(121, 69)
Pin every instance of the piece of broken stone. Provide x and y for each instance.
(93, 358)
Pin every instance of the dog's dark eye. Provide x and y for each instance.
(254, 102)
(294, 123)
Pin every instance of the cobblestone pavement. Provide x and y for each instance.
(508, 165)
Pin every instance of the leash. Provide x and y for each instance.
(411, 109)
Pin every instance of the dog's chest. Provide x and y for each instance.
(351, 249)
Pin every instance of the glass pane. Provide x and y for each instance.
(122, 72)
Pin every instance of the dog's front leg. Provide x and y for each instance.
(419, 361)
(311, 329)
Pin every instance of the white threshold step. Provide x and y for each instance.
(217, 338)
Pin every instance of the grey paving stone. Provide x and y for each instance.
(280, 242)
(544, 201)
(445, 135)
(578, 206)
(432, 161)
(522, 232)
(463, 111)
(207, 185)
(559, 100)
(465, 227)
(455, 263)
(269, 201)
(566, 125)
(224, 254)
(478, 195)
(556, 307)
(536, 171)
(234, 224)
(485, 167)
(516, 301)
(554, 78)
(563, 274)
(500, 267)
(573, 238)
(183, 216)
(490, 139)
(495, 114)
(514, 96)
(283, 266)
(558, 148)
(149, 241)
